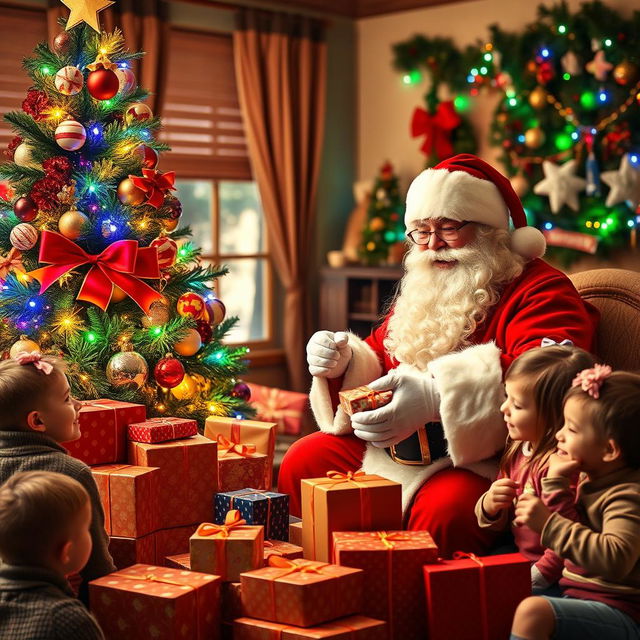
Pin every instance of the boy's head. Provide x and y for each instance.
(44, 521)
(35, 395)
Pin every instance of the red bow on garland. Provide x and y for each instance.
(436, 128)
(121, 263)
(155, 185)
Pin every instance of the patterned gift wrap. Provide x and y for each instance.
(295, 533)
(393, 581)
(162, 429)
(267, 508)
(301, 592)
(471, 598)
(129, 497)
(227, 550)
(282, 549)
(262, 435)
(363, 399)
(351, 628)
(170, 542)
(103, 428)
(188, 477)
(350, 501)
(179, 561)
(144, 601)
(286, 408)
(238, 470)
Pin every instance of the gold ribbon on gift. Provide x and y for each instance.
(232, 521)
(244, 450)
(461, 555)
(271, 409)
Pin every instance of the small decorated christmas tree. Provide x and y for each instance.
(385, 218)
(93, 263)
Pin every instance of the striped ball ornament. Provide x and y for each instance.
(69, 80)
(167, 251)
(127, 80)
(23, 237)
(70, 135)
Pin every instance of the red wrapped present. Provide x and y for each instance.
(129, 497)
(188, 477)
(232, 601)
(229, 432)
(103, 428)
(240, 466)
(179, 561)
(227, 549)
(128, 551)
(301, 592)
(393, 581)
(363, 399)
(144, 601)
(351, 628)
(170, 542)
(286, 408)
(162, 429)
(471, 598)
(350, 501)
(282, 549)
(295, 533)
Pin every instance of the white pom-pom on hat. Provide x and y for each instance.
(528, 242)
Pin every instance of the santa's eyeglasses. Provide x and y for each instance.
(448, 233)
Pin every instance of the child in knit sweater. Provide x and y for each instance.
(37, 414)
(601, 551)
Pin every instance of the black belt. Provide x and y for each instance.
(423, 447)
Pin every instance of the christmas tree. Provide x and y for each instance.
(385, 218)
(93, 263)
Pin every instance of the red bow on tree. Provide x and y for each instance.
(155, 185)
(121, 263)
(436, 128)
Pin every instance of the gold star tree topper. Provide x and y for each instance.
(85, 11)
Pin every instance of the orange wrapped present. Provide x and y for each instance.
(227, 549)
(350, 501)
(179, 561)
(129, 497)
(363, 399)
(282, 549)
(144, 601)
(232, 601)
(301, 592)
(393, 581)
(295, 533)
(128, 551)
(262, 435)
(188, 477)
(169, 542)
(351, 628)
(286, 408)
(240, 466)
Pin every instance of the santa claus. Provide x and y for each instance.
(474, 296)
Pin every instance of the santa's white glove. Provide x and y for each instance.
(415, 402)
(328, 354)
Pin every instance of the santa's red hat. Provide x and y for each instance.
(465, 187)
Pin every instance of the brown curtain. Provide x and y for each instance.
(281, 67)
(145, 27)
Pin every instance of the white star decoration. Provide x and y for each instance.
(624, 184)
(561, 184)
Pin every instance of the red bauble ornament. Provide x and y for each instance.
(545, 73)
(191, 305)
(241, 390)
(25, 209)
(62, 43)
(169, 372)
(102, 84)
(205, 330)
(147, 156)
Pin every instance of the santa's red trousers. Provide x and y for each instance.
(444, 505)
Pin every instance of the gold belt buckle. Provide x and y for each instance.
(425, 451)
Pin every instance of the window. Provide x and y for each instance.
(203, 125)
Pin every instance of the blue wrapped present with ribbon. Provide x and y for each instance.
(267, 508)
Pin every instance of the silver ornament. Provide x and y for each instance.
(127, 368)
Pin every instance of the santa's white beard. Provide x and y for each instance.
(437, 309)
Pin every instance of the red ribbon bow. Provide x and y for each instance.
(436, 128)
(121, 263)
(155, 185)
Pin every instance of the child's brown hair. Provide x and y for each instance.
(37, 509)
(549, 372)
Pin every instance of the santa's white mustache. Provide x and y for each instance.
(446, 255)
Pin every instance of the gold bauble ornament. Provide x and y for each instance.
(625, 73)
(376, 224)
(189, 345)
(538, 98)
(204, 384)
(534, 138)
(520, 184)
(127, 369)
(118, 295)
(23, 345)
(170, 224)
(73, 224)
(158, 315)
(186, 389)
(129, 194)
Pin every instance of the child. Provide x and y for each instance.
(601, 437)
(44, 535)
(535, 384)
(37, 413)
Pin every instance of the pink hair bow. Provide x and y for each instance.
(591, 379)
(34, 358)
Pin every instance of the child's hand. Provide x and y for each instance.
(531, 511)
(500, 496)
(562, 466)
